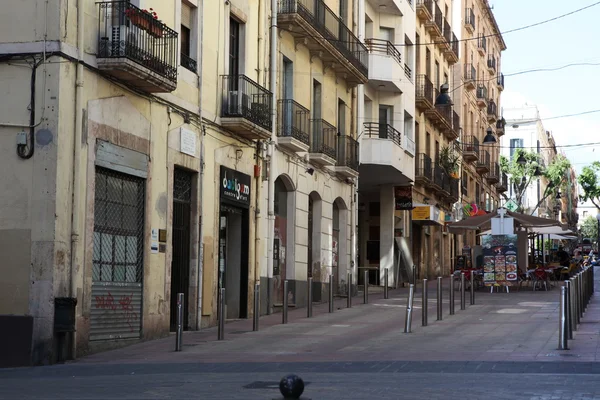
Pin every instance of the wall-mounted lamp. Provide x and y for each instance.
(489, 138)
(310, 171)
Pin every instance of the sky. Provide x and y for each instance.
(555, 44)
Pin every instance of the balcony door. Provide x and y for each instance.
(385, 117)
(288, 96)
(234, 48)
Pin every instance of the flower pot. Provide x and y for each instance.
(454, 175)
(139, 21)
(155, 30)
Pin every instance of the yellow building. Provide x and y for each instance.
(477, 88)
(437, 126)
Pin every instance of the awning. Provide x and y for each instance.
(483, 222)
(424, 214)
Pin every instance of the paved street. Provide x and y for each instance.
(503, 347)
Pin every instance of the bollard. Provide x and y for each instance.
(331, 293)
(576, 300)
(568, 311)
(349, 290)
(424, 301)
(580, 282)
(221, 315)
(284, 314)
(439, 298)
(562, 330)
(386, 293)
(414, 274)
(179, 335)
(462, 290)
(572, 304)
(472, 288)
(256, 307)
(452, 294)
(309, 296)
(366, 291)
(409, 308)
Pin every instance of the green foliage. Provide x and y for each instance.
(449, 160)
(590, 183)
(589, 228)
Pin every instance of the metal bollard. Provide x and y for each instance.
(386, 293)
(349, 290)
(284, 314)
(562, 330)
(576, 300)
(424, 301)
(366, 291)
(581, 310)
(309, 296)
(256, 307)
(472, 288)
(331, 305)
(221, 315)
(414, 274)
(439, 298)
(462, 290)
(409, 309)
(568, 309)
(179, 334)
(452, 294)
(572, 304)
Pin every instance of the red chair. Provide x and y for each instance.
(540, 276)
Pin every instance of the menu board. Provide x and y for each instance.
(500, 260)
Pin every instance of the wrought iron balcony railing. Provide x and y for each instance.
(424, 166)
(438, 18)
(482, 92)
(323, 138)
(501, 80)
(426, 6)
(482, 43)
(470, 72)
(347, 152)
(127, 32)
(470, 18)
(447, 31)
(244, 98)
(293, 121)
(383, 47)
(491, 62)
(471, 147)
(407, 71)
(424, 89)
(492, 109)
(331, 27)
(189, 63)
(382, 131)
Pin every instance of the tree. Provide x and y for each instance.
(590, 183)
(589, 228)
(521, 175)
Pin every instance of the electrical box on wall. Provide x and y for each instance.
(22, 138)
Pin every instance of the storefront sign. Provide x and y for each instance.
(421, 213)
(235, 186)
(403, 197)
(500, 260)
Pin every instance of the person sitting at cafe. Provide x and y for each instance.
(563, 257)
(577, 256)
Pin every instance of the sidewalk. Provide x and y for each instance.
(519, 326)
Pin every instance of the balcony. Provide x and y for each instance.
(500, 81)
(492, 111)
(469, 20)
(408, 72)
(482, 96)
(323, 143)
(424, 10)
(483, 163)
(451, 189)
(470, 77)
(423, 93)
(423, 172)
(500, 124)
(384, 158)
(246, 107)
(470, 149)
(435, 26)
(444, 41)
(314, 25)
(390, 6)
(482, 45)
(437, 179)
(452, 52)
(189, 63)
(346, 157)
(446, 119)
(455, 125)
(502, 185)
(293, 126)
(385, 65)
(136, 48)
(493, 176)
(491, 63)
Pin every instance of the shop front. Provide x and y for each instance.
(428, 222)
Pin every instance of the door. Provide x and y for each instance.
(384, 121)
(180, 263)
(288, 96)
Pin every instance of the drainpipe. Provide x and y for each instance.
(272, 172)
(77, 187)
(201, 180)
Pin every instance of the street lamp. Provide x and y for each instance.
(489, 138)
(521, 160)
(443, 98)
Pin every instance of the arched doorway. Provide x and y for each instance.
(283, 241)
(315, 213)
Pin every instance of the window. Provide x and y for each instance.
(234, 47)
(585, 214)
(341, 117)
(477, 194)
(188, 59)
(465, 182)
(515, 144)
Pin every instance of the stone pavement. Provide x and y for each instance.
(503, 347)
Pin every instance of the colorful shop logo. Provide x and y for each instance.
(238, 190)
(471, 210)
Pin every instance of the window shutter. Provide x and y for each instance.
(186, 16)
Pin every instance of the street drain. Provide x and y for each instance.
(265, 385)
(562, 355)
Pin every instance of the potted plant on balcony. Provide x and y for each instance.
(450, 161)
(146, 20)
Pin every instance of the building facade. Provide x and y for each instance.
(478, 87)
(437, 127)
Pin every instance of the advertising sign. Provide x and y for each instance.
(500, 260)
(403, 197)
(421, 213)
(235, 186)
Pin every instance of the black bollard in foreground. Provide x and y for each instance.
(291, 386)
